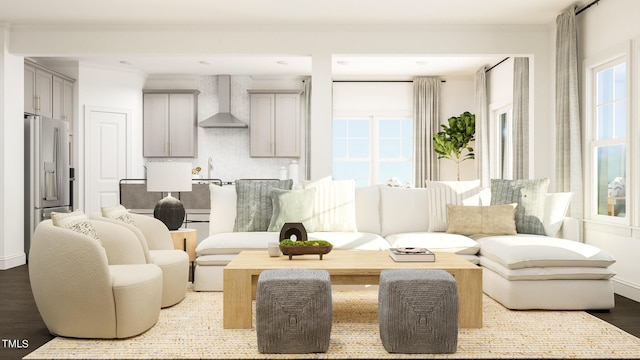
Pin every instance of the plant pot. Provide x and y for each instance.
(305, 250)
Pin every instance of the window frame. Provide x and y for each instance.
(374, 149)
(495, 147)
(616, 56)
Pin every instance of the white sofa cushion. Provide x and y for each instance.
(443, 193)
(403, 210)
(334, 207)
(555, 208)
(549, 272)
(352, 240)
(223, 209)
(368, 209)
(233, 243)
(436, 241)
(524, 250)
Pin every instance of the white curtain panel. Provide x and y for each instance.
(520, 118)
(568, 144)
(482, 135)
(307, 127)
(426, 93)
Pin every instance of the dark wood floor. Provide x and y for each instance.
(20, 320)
(23, 331)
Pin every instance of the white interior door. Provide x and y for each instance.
(107, 154)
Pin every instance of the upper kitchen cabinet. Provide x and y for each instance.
(38, 89)
(62, 99)
(47, 93)
(275, 123)
(170, 123)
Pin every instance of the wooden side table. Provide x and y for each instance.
(186, 239)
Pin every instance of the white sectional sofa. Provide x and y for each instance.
(379, 217)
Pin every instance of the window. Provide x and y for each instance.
(501, 143)
(609, 139)
(373, 131)
(373, 149)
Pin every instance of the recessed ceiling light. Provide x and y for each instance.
(125, 62)
(205, 62)
(282, 62)
(343, 62)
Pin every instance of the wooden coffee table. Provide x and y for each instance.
(346, 267)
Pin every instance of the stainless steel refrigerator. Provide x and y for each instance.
(46, 171)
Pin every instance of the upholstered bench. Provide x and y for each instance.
(418, 311)
(537, 272)
(293, 311)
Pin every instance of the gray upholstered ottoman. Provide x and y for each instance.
(418, 311)
(293, 311)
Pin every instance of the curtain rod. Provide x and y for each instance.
(365, 81)
(491, 68)
(595, 2)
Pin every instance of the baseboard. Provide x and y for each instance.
(9, 262)
(626, 289)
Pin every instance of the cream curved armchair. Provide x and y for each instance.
(158, 249)
(77, 292)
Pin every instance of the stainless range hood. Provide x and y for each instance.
(223, 119)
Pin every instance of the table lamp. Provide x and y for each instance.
(169, 177)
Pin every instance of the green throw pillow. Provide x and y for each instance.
(292, 206)
(254, 207)
(530, 197)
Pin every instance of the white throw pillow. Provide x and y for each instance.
(555, 208)
(223, 209)
(443, 193)
(403, 210)
(117, 212)
(368, 209)
(334, 208)
(76, 221)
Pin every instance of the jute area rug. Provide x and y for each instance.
(193, 329)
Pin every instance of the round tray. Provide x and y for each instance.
(305, 250)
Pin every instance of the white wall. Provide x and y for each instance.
(321, 44)
(457, 96)
(600, 28)
(105, 87)
(11, 156)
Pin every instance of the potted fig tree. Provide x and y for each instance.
(453, 141)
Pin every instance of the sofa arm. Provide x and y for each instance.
(570, 229)
(120, 244)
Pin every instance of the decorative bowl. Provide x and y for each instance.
(305, 250)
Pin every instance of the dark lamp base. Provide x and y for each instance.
(170, 211)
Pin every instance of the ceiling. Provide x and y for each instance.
(246, 13)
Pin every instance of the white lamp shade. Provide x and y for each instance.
(168, 176)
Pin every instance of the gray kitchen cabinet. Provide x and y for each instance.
(38, 89)
(62, 96)
(47, 93)
(275, 123)
(170, 123)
